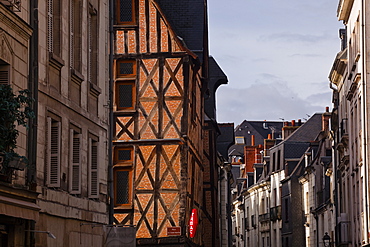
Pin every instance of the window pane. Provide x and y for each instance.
(125, 11)
(126, 68)
(122, 187)
(124, 154)
(125, 95)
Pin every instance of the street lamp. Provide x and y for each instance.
(326, 240)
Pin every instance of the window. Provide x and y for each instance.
(75, 163)
(92, 45)
(125, 69)
(123, 159)
(93, 169)
(75, 35)
(125, 12)
(53, 152)
(4, 73)
(239, 140)
(278, 161)
(54, 27)
(125, 90)
(125, 96)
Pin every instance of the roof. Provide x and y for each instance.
(216, 78)
(225, 139)
(260, 130)
(308, 131)
(187, 20)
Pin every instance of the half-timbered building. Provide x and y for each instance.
(160, 77)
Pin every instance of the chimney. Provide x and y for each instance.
(288, 130)
(299, 122)
(325, 119)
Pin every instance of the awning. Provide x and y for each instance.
(18, 208)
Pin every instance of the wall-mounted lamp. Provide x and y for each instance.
(50, 235)
(326, 240)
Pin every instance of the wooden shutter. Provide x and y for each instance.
(75, 163)
(53, 152)
(4, 74)
(50, 25)
(93, 169)
(57, 15)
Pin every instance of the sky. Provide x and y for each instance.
(277, 56)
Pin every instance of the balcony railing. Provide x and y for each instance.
(264, 217)
(275, 213)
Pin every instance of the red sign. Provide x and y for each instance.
(174, 231)
(193, 223)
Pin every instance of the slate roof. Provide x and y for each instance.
(216, 78)
(297, 143)
(187, 19)
(308, 131)
(260, 130)
(225, 139)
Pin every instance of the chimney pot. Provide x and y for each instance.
(293, 122)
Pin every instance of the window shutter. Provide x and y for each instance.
(53, 171)
(56, 27)
(75, 167)
(71, 29)
(4, 74)
(50, 25)
(93, 171)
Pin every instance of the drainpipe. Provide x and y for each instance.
(33, 87)
(33, 79)
(110, 138)
(364, 92)
(335, 164)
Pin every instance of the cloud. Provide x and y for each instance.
(264, 101)
(306, 55)
(293, 37)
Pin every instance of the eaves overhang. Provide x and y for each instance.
(344, 9)
(339, 67)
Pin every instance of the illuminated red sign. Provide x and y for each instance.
(193, 223)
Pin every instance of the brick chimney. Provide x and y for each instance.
(325, 119)
(289, 129)
(252, 155)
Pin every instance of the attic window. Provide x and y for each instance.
(239, 140)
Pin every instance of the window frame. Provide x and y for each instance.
(130, 188)
(133, 14)
(133, 95)
(123, 165)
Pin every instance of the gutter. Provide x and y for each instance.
(110, 137)
(364, 103)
